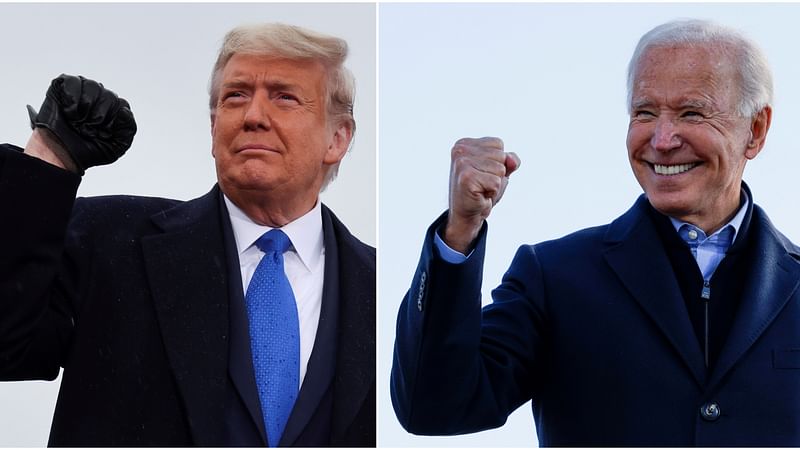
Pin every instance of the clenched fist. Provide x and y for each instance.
(90, 122)
(479, 171)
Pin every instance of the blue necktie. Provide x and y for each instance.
(274, 335)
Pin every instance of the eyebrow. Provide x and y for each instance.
(237, 83)
(272, 84)
(694, 103)
(684, 103)
(641, 103)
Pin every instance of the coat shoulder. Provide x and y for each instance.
(761, 218)
(354, 247)
(117, 211)
(574, 245)
(595, 240)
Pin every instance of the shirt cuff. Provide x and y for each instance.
(447, 253)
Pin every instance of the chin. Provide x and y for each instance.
(671, 204)
(244, 181)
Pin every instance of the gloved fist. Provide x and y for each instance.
(94, 125)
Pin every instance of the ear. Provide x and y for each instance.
(759, 127)
(213, 131)
(340, 142)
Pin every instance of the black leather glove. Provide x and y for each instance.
(94, 125)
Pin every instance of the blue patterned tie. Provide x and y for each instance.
(274, 335)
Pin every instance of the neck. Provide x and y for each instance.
(723, 213)
(265, 210)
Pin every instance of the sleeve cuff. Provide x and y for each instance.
(448, 254)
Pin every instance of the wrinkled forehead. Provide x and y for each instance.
(305, 75)
(687, 71)
(243, 61)
(707, 60)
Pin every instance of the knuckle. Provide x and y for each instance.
(495, 183)
(465, 175)
(492, 142)
(465, 141)
(458, 164)
(461, 148)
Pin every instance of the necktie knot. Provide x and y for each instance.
(274, 241)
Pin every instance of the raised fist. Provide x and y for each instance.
(92, 123)
(479, 172)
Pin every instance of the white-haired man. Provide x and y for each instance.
(241, 318)
(675, 325)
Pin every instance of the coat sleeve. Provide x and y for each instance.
(36, 317)
(459, 369)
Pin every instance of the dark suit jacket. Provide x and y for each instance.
(140, 300)
(594, 329)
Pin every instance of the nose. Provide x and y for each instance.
(257, 114)
(665, 135)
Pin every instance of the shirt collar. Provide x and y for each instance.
(305, 232)
(735, 222)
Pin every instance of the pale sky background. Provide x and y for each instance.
(159, 57)
(547, 78)
(550, 80)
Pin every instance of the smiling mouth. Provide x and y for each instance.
(675, 169)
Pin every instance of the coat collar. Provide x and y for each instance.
(354, 382)
(636, 255)
(193, 318)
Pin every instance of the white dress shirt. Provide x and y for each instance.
(304, 264)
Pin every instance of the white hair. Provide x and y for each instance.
(755, 77)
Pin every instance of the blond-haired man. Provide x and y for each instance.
(182, 323)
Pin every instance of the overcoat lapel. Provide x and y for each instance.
(345, 345)
(773, 278)
(355, 359)
(194, 320)
(187, 271)
(638, 258)
(240, 365)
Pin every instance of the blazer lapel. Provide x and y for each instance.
(774, 278)
(188, 276)
(638, 258)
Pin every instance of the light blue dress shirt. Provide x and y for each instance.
(709, 251)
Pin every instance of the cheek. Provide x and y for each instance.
(634, 139)
(221, 141)
(221, 131)
(213, 141)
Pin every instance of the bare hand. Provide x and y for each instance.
(479, 172)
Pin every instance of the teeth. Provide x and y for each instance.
(672, 170)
